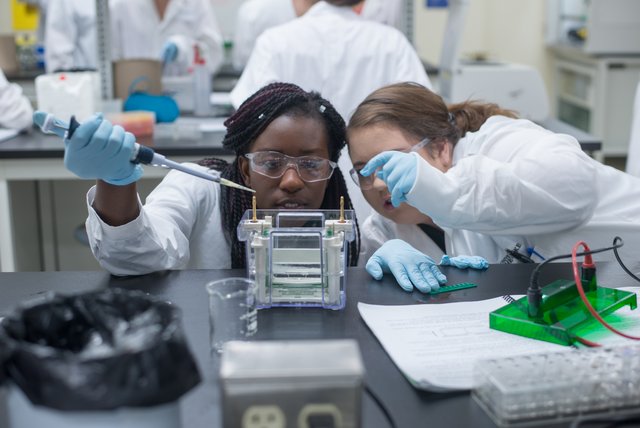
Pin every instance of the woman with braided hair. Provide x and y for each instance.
(287, 142)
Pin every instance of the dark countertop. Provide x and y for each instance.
(409, 407)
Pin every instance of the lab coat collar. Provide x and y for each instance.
(173, 10)
(324, 8)
(460, 150)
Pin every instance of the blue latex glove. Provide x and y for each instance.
(169, 52)
(463, 262)
(409, 266)
(397, 170)
(100, 150)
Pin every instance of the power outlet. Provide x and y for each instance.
(320, 415)
(264, 417)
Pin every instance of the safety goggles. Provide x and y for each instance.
(366, 183)
(275, 164)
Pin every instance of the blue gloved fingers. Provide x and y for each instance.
(440, 277)
(99, 140)
(124, 143)
(374, 267)
(169, 52)
(127, 172)
(376, 162)
(477, 262)
(128, 146)
(428, 281)
(399, 176)
(391, 170)
(113, 144)
(399, 191)
(400, 273)
(464, 262)
(82, 136)
(445, 260)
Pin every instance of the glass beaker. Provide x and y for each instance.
(232, 311)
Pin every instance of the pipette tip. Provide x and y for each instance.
(43, 120)
(230, 183)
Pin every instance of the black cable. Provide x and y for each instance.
(622, 265)
(381, 405)
(533, 281)
(534, 292)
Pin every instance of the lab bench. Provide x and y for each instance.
(41, 202)
(408, 406)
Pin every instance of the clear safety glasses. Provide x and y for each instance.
(366, 183)
(274, 164)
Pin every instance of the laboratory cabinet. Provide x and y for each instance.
(595, 93)
(48, 216)
(595, 50)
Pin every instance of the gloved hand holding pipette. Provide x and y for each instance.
(97, 149)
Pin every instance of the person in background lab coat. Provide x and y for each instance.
(15, 109)
(188, 222)
(388, 12)
(488, 180)
(330, 49)
(167, 30)
(633, 157)
(254, 17)
(70, 35)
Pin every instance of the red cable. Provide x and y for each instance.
(576, 277)
(586, 342)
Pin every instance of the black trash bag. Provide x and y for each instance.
(98, 351)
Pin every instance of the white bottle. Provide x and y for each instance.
(202, 86)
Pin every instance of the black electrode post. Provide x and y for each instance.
(588, 274)
(534, 301)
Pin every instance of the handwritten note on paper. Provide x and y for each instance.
(436, 346)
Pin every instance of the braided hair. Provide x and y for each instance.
(243, 127)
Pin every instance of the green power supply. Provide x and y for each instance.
(562, 311)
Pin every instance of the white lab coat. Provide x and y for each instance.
(388, 12)
(331, 50)
(633, 157)
(138, 32)
(334, 51)
(70, 36)
(179, 227)
(515, 182)
(254, 17)
(15, 109)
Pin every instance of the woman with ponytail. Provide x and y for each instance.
(478, 180)
(286, 141)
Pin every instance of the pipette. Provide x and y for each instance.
(50, 124)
